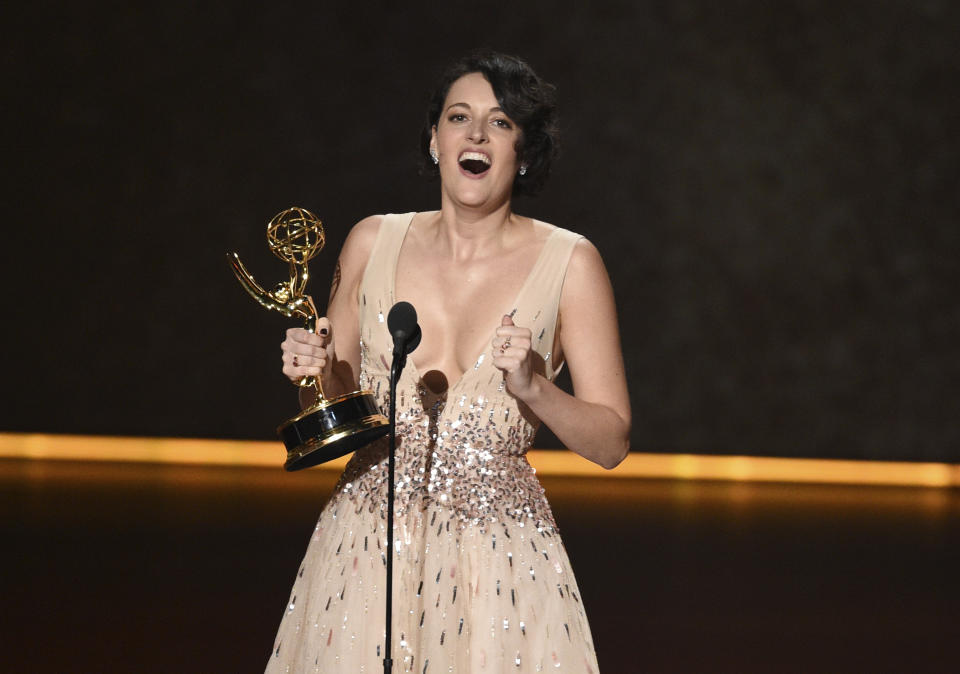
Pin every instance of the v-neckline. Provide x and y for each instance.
(392, 276)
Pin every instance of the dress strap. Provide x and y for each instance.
(539, 304)
(382, 266)
(376, 289)
(376, 292)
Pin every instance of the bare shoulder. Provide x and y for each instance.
(354, 256)
(586, 257)
(586, 277)
(356, 249)
(586, 273)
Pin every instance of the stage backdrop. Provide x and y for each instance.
(773, 187)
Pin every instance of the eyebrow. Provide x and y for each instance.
(467, 106)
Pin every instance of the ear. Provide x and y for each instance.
(433, 138)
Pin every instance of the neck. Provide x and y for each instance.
(467, 232)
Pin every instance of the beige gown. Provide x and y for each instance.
(482, 582)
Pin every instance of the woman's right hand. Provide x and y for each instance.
(308, 354)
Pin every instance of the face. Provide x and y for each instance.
(475, 142)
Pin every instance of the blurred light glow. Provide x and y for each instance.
(547, 462)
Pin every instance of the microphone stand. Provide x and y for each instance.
(399, 360)
(402, 324)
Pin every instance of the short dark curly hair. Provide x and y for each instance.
(526, 98)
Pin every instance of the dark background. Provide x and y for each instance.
(772, 185)
(176, 569)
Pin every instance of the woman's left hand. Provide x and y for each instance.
(512, 356)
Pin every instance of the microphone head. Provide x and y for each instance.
(402, 324)
(402, 319)
(414, 340)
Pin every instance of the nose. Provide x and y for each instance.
(477, 131)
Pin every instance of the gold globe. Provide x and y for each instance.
(295, 235)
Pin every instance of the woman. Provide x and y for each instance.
(482, 581)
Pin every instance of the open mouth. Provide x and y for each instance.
(474, 163)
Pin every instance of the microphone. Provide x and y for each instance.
(403, 327)
(402, 324)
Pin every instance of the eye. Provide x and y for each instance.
(457, 117)
(503, 123)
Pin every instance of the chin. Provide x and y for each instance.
(477, 195)
(472, 198)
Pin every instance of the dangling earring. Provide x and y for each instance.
(434, 157)
(523, 169)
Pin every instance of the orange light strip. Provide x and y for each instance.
(547, 462)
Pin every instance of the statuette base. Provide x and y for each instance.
(331, 429)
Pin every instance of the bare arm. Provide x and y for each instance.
(333, 352)
(595, 421)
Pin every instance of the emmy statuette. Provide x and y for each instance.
(330, 428)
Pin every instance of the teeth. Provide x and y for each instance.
(476, 156)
